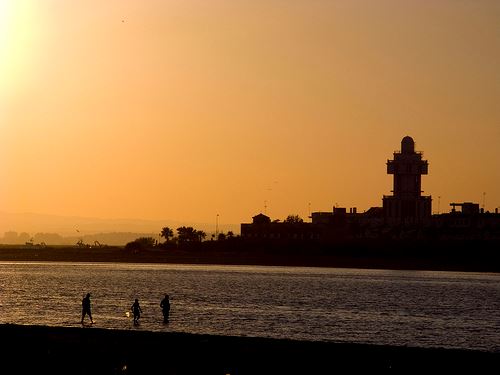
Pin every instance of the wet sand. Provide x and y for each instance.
(90, 350)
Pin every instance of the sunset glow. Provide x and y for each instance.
(4, 31)
(185, 110)
(20, 36)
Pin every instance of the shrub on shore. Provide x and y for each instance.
(142, 243)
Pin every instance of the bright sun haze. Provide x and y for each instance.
(185, 109)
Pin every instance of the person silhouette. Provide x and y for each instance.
(86, 308)
(136, 309)
(165, 306)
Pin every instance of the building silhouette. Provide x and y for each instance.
(262, 228)
(404, 214)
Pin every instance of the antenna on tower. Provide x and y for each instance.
(265, 207)
(484, 199)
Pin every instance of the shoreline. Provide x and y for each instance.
(360, 258)
(95, 350)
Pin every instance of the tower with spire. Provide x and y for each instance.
(407, 205)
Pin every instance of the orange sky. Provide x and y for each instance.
(184, 109)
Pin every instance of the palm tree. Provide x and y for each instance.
(167, 233)
(190, 235)
(186, 234)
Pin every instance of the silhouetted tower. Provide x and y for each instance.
(407, 205)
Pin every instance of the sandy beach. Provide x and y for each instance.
(90, 350)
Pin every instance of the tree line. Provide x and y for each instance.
(186, 237)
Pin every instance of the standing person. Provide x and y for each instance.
(86, 308)
(136, 309)
(165, 305)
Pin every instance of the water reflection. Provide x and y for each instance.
(441, 309)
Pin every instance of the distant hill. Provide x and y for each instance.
(68, 230)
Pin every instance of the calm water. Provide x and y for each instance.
(429, 309)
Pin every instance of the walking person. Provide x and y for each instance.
(136, 309)
(86, 308)
(165, 306)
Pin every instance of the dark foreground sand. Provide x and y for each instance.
(49, 350)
